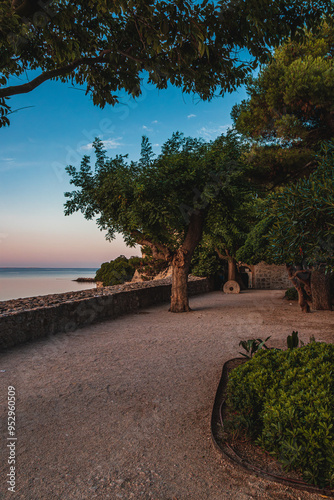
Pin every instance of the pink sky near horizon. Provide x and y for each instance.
(79, 245)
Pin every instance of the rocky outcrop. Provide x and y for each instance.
(140, 276)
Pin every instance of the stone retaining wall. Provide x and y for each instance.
(59, 314)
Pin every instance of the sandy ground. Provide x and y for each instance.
(122, 409)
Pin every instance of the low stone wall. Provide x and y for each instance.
(27, 319)
(270, 277)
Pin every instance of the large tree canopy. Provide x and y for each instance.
(296, 227)
(290, 109)
(165, 202)
(106, 45)
(303, 215)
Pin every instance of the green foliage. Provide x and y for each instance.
(153, 203)
(292, 340)
(252, 346)
(206, 262)
(117, 271)
(229, 223)
(290, 107)
(121, 269)
(295, 224)
(287, 400)
(108, 45)
(304, 215)
(291, 294)
(255, 247)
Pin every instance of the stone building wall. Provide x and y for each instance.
(270, 277)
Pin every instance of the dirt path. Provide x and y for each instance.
(122, 409)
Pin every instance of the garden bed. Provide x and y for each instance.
(238, 448)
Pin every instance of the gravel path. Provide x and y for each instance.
(122, 409)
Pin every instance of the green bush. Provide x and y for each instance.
(116, 271)
(291, 294)
(120, 270)
(286, 400)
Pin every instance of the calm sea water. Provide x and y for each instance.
(20, 282)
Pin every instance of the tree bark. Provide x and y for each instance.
(232, 272)
(179, 298)
(320, 287)
(302, 296)
(181, 263)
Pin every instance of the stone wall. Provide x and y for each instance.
(28, 319)
(270, 277)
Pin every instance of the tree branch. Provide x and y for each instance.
(221, 256)
(195, 231)
(290, 177)
(159, 251)
(47, 75)
(302, 280)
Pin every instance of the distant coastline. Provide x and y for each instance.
(23, 282)
(85, 280)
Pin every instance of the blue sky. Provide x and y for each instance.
(58, 130)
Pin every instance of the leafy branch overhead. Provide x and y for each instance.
(107, 46)
(290, 108)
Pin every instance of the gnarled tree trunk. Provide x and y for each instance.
(320, 287)
(181, 263)
(303, 298)
(179, 298)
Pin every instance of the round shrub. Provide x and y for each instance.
(286, 400)
(291, 294)
(115, 272)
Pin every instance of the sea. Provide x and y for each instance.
(21, 282)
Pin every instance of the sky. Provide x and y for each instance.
(57, 130)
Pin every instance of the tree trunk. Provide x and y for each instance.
(181, 263)
(232, 273)
(179, 298)
(302, 301)
(320, 286)
(302, 296)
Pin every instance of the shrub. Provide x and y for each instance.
(115, 272)
(291, 294)
(251, 346)
(286, 400)
(120, 270)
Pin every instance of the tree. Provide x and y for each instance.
(163, 203)
(228, 227)
(290, 108)
(107, 45)
(289, 112)
(297, 228)
(304, 228)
